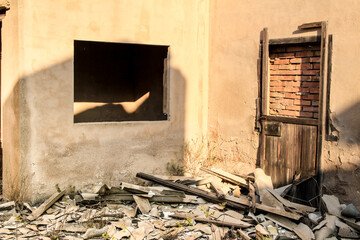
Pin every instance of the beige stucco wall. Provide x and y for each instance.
(214, 48)
(53, 149)
(235, 28)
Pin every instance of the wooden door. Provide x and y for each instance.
(291, 107)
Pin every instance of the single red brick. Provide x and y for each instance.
(277, 106)
(274, 67)
(314, 90)
(276, 94)
(310, 84)
(310, 72)
(287, 67)
(277, 49)
(300, 60)
(292, 96)
(304, 54)
(293, 107)
(276, 89)
(287, 112)
(303, 90)
(315, 59)
(285, 101)
(275, 83)
(311, 97)
(282, 61)
(317, 53)
(291, 84)
(303, 78)
(316, 66)
(304, 66)
(272, 100)
(315, 103)
(310, 109)
(302, 102)
(285, 55)
(306, 114)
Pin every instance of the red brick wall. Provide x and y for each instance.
(294, 80)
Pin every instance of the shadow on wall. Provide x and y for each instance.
(349, 121)
(43, 104)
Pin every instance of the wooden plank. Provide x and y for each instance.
(227, 176)
(47, 204)
(207, 220)
(265, 73)
(297, 40)
(143, 204)
(7, 205)
(289, 204)
(219, 192)
(245, 201)
(165, 87)
(190, 190)
(329, 135)
(310, 25)
(302, 121)
(243, 235)
(322, 101)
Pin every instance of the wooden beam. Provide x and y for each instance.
(297, 40)
(265, 73)
(227, 176)
(302, 121)
(328, 131)
(322, 108)
(190, 190)
(43, 207)
(310, 25)
(262, 207)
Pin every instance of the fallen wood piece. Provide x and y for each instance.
(265, 208)
(280, 190)
(227, 176)
(351, 224)
(206, 220)
(138, 189)
(243, 235)
(219, 192)
(332, 204)
(7, 205)
(190, 190)
(302, 230)
(262, 182)
(151, 198)
(289, 204)
(143, 204)
(43, 207)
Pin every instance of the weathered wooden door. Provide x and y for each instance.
(290, 108)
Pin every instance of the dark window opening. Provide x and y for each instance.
(119, 82)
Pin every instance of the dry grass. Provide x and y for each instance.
(202, 152)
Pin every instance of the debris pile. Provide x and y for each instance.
(219, 206)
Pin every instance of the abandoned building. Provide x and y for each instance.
(95, 91)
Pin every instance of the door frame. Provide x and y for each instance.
(264, 117)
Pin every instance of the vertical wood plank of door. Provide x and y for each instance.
(308, 150)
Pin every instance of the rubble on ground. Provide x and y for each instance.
(219, 206)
